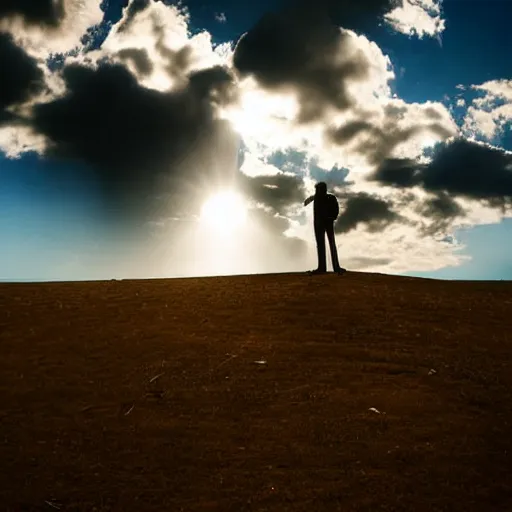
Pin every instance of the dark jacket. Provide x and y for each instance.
(325, 208)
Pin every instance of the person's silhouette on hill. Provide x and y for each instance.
(326, 210)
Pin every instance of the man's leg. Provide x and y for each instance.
(320, 246)
(332, 246)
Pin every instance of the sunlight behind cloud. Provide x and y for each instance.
(224, 212)
(258, 112)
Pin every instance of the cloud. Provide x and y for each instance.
(301, 51)
(24, 84)
(141, 111)
(34, 12)
(275, 192)
(364, 263)
(362, 208)
(443, 210)
(153, 40)
(417, 17)
(461, 168)
(138, 58)
(442, 206)
(23, 79)
(43, 27)
(130, 12)
(397, 130)
(401, 249)
(221, 17)
(132, 136)
(489, 114)
(325, 91)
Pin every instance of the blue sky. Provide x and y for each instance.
(56, 222)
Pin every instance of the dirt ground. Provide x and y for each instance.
(280, 393)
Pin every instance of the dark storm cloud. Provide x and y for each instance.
(20, 76)
(398, 172)
(133, 136)
(459, 168)
(470, 169)
(363, 208)
(276, 192)
(34, 12)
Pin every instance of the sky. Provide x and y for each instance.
(147, 138)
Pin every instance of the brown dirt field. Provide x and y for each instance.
(145, 395)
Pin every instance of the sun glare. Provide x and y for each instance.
(224, 212)
(259, 113)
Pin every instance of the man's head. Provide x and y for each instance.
(321, 188)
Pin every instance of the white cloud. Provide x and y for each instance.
(417, 17)
(18, 139)
(490, 114)
(156, 45)
(221, 17)
(497, 88)
(402, 250)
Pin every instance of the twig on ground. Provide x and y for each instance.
(50, 504)
(156, 377)
(232, 356)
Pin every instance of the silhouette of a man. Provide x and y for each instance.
(326, 209)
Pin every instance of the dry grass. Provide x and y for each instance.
(145, 395)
